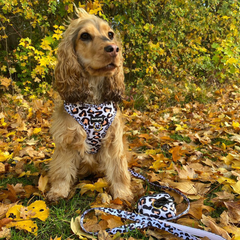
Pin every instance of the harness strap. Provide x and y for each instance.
(144, 221)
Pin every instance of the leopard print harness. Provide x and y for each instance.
(154, 211)
(95, 119)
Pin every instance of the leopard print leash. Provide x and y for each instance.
(154, 211)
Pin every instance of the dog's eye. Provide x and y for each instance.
(110, 35)
(85, 36)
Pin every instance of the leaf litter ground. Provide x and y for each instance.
(191, 147)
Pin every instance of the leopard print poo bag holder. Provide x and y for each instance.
(152, 210)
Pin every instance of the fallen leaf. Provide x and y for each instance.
(40, 208)
(4, 222)
(113, 221)
(27, 225)
(98, 186)
(233, 211)
(4, 208)
(42, 183)
(177, 152)
(186, 172)
(5, 233)
(75, 226)
(21, 216)
(103, 235)
(214, 228)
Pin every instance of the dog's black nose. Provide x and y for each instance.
(112, 49)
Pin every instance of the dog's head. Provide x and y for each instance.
(89, 49)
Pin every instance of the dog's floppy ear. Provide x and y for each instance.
(114, 85)
(69, 75)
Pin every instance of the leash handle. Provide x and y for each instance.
(137, 175)
(141, 221)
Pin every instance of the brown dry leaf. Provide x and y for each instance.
(117, 201)
(28, 151)
(42, 183)
(75, 226)
(186, 172)
(176, 152)
(6, 82)
(233, 211)
(197, 207)
(161, 235)
(4, 222)
(224, 218)
(187, 187)
(103, 235)
(146, 136)
(26, 214)
(113, 221)
(202, 188)
(2, 168)
(19, 188)
(188, 222)
(12, 196)
(223, 196)
(19, 168)
(5, 233)
(92, 225)
(214, 228)
(29, 190)
(4, 208)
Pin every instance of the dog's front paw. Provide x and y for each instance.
(123, 193)
(54, 195)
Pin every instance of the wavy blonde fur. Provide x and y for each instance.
(89, 70)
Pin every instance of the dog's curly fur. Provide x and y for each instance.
(89, 70)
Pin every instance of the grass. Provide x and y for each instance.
(58, 222)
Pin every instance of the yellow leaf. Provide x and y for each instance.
(75, 226)
(4, 156)
(235, 230)
(27, 225)
(11, 134)
(225, 17)
(37, 130)
(56, 238)
(40, 208)
(98, 186)
(152, 151)
(180, 128)
(236, 187)
(160, 161)
(226, 180)
(3, 122)
(232, 61)
(236, 125)
(45, 45)
(3, 68)
(14, 212)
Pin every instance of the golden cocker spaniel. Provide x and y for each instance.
(87, 124)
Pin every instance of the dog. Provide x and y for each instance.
(87, 125)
